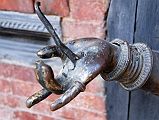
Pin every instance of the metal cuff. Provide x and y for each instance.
(141, 66)
(123, 61)
(133, 67)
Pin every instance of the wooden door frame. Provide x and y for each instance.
(133, 21)
(120, 24)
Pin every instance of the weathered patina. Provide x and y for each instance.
(133, 66)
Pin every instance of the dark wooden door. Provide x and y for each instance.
(134, 21)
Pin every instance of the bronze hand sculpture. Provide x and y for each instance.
(84, 59)
(94, 57)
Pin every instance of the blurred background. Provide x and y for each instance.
(22, 34)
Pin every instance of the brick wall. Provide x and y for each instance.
(80, 18)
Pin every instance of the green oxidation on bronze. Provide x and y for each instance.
(133, 66)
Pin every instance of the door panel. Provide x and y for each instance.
(121, 19)
(145, 106)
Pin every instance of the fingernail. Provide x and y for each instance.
(56, 105)
(29, 103)
(39, 53)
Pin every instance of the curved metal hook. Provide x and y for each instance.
(72, 56)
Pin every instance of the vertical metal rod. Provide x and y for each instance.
(72, 56)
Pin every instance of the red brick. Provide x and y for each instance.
(20, 115)
(24, 88)
(56, 7)
(96, 86)
(43, 5)
(52, 97)
(46, 118)
(77, 29)
(5, 114)
(86, 20)
(88, 9)
(42, 107)
(89, 102)
(10, 100)
(5, 86)
(17, 5)
(17, 72)
(66, 113)
(80, 114)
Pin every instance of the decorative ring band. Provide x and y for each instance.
(147, 63)
(122, 62)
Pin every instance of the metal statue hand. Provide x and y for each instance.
(83, 60)
(94, 58)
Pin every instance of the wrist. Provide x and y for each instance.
(133, 66)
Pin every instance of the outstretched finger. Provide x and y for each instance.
(72, 56)
(69, 95)
(37, 97)
(50, 51)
